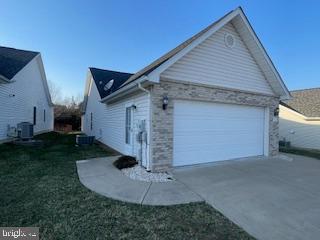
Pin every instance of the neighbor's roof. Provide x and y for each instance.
(305, 101)
(101, 77)
(13, 60)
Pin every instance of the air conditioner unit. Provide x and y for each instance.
(25, 130)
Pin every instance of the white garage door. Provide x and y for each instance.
(207, 132)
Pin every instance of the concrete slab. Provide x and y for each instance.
(170, 193)
(100, 176)
(269, 198)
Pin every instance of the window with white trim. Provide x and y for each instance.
(128, 124)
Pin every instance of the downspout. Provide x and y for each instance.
(149, 124)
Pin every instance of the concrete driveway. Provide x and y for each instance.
(269, 198)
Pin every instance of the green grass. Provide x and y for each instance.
(39, 187)
(301, 151)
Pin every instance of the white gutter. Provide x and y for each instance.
(125, 88)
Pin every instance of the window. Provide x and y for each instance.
(34, 115)
(91, 120)
(128, 125)
(44, 115)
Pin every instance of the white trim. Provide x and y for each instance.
(265, 55)
(154, 76)
(266, 131)
(44, 78)
(181, 80)
(129, 148)
(301, 115)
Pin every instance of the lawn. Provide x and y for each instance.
(39, 187)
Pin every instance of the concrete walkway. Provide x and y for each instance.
(102, 177)
(271, 199)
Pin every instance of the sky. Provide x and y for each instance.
(127, 35)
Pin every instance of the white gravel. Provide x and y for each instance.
(139, 173)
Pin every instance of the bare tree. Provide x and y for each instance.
(55, 92)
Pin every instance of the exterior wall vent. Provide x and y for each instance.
(229, 40)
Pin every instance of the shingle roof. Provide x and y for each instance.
(306, 102)
(13, 60)
(101, 77)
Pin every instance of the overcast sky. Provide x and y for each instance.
(128, 35)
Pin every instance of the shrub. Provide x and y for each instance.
(125, 162)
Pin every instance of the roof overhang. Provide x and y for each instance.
(3, 79)
(299, 114)
(237, 17)
(241, 23)
(126, 90)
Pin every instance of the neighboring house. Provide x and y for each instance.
(214, 97)
(299, 121)
(24, 94)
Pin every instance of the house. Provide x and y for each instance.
(24, 93)
(214, 97)
(299, 119)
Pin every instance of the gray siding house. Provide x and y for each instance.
(214, 97)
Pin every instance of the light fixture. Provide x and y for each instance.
(165, 102)
(276, 112)
(12, 95)
(134, 107)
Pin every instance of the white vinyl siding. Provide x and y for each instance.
(300, 132)
(207, 132)
(29, 92)
(109, 125)
(213, 63)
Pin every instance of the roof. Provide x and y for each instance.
(14, 60)
(171, 53)
(152, 71)
(305, 101)
(101, 77)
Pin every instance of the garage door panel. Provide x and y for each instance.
(207, 132)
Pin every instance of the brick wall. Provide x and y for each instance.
(162, 120)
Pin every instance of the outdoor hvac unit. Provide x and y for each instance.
(84, 140)
(25, 130)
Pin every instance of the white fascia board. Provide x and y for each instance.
(44, 79)
(123, 90)
(87, 89)
(154, 76)
(286, 95)
(300, 115)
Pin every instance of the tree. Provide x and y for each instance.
(55, 92)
